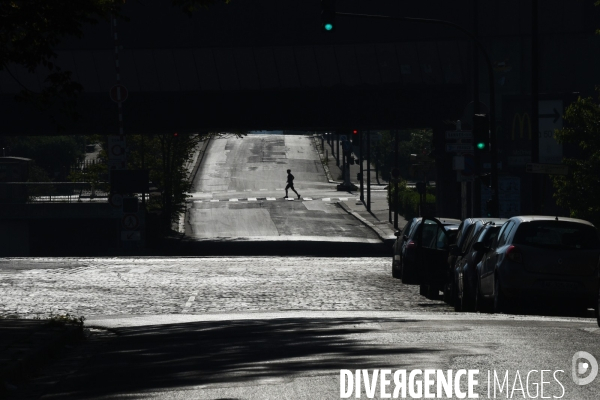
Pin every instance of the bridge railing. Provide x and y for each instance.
(45, 192)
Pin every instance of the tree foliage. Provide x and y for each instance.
(580, 190)
(416, 141)
(53, 155)
(30, 30)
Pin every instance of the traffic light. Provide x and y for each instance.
(492, 208)
(328, 15)
(355, 138)
(486, 180)
(481, 133)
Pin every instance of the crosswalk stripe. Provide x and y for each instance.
(214, 201)
(197, 201)
(326, 199)
(307, 198)
(251, 198)
(233, 199)
(271, 198)
(343, 199)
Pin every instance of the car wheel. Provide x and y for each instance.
(467, 299)
(448, 294)
(501, 303)
(405, 275)
(480, 304)
(395, 273)
(458, 301)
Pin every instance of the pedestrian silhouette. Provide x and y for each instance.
(290, 184)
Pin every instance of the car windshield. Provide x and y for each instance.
(557, 234)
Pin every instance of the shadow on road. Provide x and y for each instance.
(224, 354)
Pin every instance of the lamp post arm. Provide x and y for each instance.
(493, 138)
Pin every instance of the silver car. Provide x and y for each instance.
(540, 258)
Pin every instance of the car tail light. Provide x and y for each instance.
(411, 244)
(514, 254)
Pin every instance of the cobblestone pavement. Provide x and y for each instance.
(131, 286)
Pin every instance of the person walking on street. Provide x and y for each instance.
(290, 184)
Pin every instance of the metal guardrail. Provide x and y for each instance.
(46, 192)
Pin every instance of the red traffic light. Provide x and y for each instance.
(175, 135)
(355, 132)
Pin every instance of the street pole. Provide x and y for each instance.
(493, 139)
(368, 170)
(476, 105)
(396, 138)
(337, 151)
(535, 104)
(362, 158)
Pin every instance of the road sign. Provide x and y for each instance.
(116, 200)
(551, 169)
(459, 135)
(131, 236)
(118, 93)
(458, 163)
(457, 147)
(460, 177)
(130, 221)
(551, 151)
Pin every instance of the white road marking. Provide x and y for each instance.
(343, 199)
(280, 189)
(264, 190)
(198, 201)
(188, 304)
(289, 199)
(270, 198)
(306, 198)
(251, 198)
(214, 201)
(233, 199)
(326, 199)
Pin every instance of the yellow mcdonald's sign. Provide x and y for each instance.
(521, 119)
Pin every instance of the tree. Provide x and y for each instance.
(31, 29)
(580, 190)
(54, 155)
(419, 141)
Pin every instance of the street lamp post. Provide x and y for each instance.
(493, 139)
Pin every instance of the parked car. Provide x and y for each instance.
(465, 231)
(465, 271)
(540, 258)
(401, 238)
(408, 253)
(433, 240)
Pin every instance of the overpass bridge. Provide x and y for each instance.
(264, 65)
(267, 65)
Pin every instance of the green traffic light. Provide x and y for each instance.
(481, 146)
(328, 27)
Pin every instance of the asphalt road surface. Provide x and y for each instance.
(239, 192)
(271, 328)
(279, 327)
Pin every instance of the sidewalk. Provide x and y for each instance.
(378, 218)
(28, 344)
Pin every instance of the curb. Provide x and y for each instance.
(322, 158)
(382, 235)
(199, 158)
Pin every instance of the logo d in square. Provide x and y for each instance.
(583, 362)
